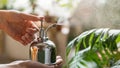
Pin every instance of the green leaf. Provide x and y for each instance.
(98, 46)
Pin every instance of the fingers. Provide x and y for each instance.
(27, 38)
(31, 24)
(58, 63)
(32, 64)
(30, 17)
(31, 31)
(59, 60)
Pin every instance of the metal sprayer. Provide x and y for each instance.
(43, 50)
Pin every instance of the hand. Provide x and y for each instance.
(32, 64)
(19, 26)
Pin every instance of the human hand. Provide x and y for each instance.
(32, 64)
(19, 26)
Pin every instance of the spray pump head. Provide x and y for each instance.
(43, 32)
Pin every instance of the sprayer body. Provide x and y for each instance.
(43, 52)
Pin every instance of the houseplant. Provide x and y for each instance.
(96, 48)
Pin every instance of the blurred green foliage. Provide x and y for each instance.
(96, 48)
(6, 4)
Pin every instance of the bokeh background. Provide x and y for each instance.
(76, 16)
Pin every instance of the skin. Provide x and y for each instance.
(31, 64)
(22, 27)
(19, 26)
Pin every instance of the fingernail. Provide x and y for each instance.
(32, 30)
(35, 29)
(58, 57)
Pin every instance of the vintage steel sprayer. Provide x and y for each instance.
(43, 50)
